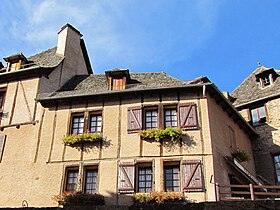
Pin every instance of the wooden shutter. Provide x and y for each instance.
(249, 115)
(192, 175)
(2, 144)
(134, 119)
(126, 177)
(188, 116)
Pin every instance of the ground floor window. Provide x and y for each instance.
(144, 179)
(172, 178)
(71, 179)
(89, 182)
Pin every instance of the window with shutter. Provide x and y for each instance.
(126, 177)
(188, 116)
(134, 118)
(2, 144)
(192, 175)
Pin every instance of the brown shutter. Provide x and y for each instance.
(192, 175)
(249, 115)
(2, 144)
(126, 177)
(134, 119)
(188, 116)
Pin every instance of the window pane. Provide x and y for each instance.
(91, 181)
(171, 178)
(262, 112)
(144, 179)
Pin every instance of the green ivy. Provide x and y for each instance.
(81, 138)
(158, 134)
(241, 155)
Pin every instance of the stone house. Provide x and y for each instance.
(54, 94)
(258, 99)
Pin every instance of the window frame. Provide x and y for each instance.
(260, 121)
(81, 177)
(145, 165)
(3, 92)
(95, 113)
(277, 181)
(87, 120)
(151, 109)
(170, 108)
(90, 168)
(172, 165)
(67, 170)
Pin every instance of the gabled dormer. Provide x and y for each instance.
(266, 76)
(117, 78)
(15, 62)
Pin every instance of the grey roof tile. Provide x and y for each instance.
(47, 58)
(96, 84)
(249, 90)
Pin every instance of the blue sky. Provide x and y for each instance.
(221, 39)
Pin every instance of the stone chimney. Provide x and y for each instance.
(68, 40)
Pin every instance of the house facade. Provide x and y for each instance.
(258, 99)
(54, 95)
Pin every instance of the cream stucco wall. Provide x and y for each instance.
(220, 135)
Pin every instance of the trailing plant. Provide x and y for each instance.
(241, 155)
(158, 134)
(158, 198)
(81, 138)
(79, 199)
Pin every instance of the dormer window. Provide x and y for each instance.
(118, 84)
(265, 81)
(15, 62)
(266, 76)
(117, 79)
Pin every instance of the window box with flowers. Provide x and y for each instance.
(159, 198)
(174, 134)
(85, 137)
(240, 155)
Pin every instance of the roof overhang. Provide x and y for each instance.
(16, 57)
(27, 73)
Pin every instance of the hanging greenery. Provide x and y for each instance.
(159, 134)
(81, 138)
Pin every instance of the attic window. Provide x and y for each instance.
(117, 84)
(15, 62)
(117, 78)
(266, 81)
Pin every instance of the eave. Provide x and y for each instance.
(27, 73)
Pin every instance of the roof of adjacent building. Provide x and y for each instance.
(251, 91)
(97, 84)
(47, 58)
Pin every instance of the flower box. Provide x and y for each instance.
(174, 134)
(73, 139)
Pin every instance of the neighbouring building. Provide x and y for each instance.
(258, 100)
(54, 94)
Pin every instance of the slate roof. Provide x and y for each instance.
(97, 84)
(47, 58)
(249, 90)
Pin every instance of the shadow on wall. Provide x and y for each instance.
(87, 147)
(264, 148)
